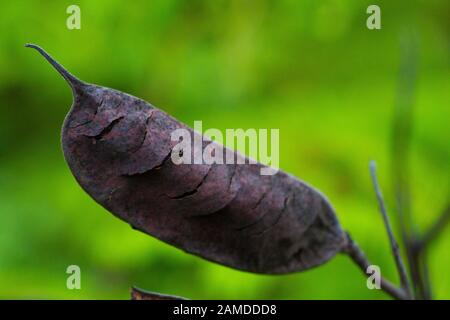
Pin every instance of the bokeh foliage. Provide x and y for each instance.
(310, 68)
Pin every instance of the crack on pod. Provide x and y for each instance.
(144, 135)
(156, 167)
(218, 211)
(259, 218)
(93, 116)
(107, 129)
(193, 191)
(286, 199)
(163, 162)
(81, 124)
(260, 200)
(232, 177)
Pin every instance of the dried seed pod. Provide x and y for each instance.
(119, 147)
(139, 294)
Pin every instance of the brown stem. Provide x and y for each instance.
(359, 258)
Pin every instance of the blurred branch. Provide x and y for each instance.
(418, 250)
(402, 130)
(436, 229)
(401, 138)
(394, 245)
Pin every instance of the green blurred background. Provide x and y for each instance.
(310, 68)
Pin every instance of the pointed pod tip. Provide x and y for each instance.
(34, 46)
(71, 79)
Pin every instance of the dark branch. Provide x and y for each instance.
(360, 259)
(394, 245)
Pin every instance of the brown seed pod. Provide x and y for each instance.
(119, 148)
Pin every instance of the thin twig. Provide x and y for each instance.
(394, 245)
(360, 259)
